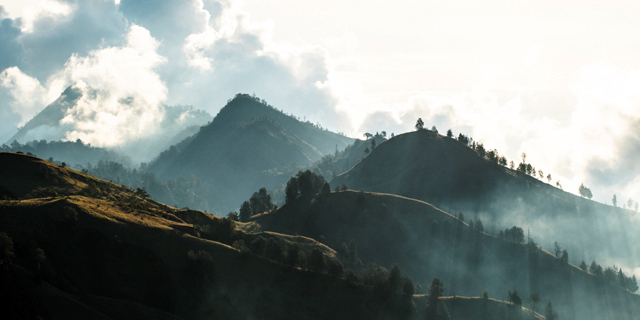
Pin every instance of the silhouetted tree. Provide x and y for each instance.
(373, 144)
(260, 201)
(583, 266)
(535, 299)
(6, 250)
(549, 178)
(540, 174)
(524, 157)
(549, 313)
(463, 139)
(315, 260)
(368, 135)
(461, 216)
(344, 187)
(559, 185)
(586, 192)
(291, 190)
(233, 216)
(245, 211)
(471, 224)
(435, 308)
(293, 255)
(326, 188)
(366, 150)
(383, 134)
(514, 297)
(480, 150)
(511, 165)
(513, 234)
(485, 294)
(434, 129)
(479, 225)
(419, 124)
(557, 248)
(564, 258)
(449, 133)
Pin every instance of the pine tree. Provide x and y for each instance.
(549, 313)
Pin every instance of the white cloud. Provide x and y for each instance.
(29, 11)
(28, 94)
(121, 93)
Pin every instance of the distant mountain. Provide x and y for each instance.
(427, 242)
(248, 145)
(447, 173)
(179, 123)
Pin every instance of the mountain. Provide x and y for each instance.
(179, 122)
(247, 146)
(427, 242)
(76, 247)
(450, 175)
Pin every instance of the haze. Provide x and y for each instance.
(557, 81)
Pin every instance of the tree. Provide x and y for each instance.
(535, 299)
(524, 157)
(291, 190)
(6, 250)
(586, 192)
(383, 134)
(436, 309)
(479, 225)
(540, 174)
(485, 294)
(583, 266)
(344, 187)
(326, 189)
(511, 165)
(549, 313)
(419, 124)
(233, 216)
(463, 139)
(366, 150)
(514, 297)
(559, 185)
(480, 150)
(245, 211)
(449, 133)
(557, 248)
(315, 260)
(564, 258)
(261, 201)
(368, 135)
(614, 201)
(434, 129)
(373, 144)
(549, 178)
(461, 216)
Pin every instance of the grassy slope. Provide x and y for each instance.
(430, 167)
(427, 242)
(243, 141)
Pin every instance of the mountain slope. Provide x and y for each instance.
(247, 146)
(442, 171)
(427, 242)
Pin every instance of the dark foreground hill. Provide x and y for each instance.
(96, 250)
(249, 145)
(427, 242)
(442, 171)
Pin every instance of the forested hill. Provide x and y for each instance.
(455, 177)
(248, 145)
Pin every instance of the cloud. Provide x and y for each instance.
(121, 94)
(29, 11)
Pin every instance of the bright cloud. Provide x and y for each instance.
(29, 11)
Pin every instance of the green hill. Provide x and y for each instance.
(247, 146)
(450, 175)
(427, 242)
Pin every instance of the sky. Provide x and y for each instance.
(559, 81)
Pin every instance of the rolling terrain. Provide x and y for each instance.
(74, 246)
(247, 146)
(450, 175)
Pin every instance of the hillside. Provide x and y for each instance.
(427, 242)
(247, 146)
(442, 171)
(91, 249)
